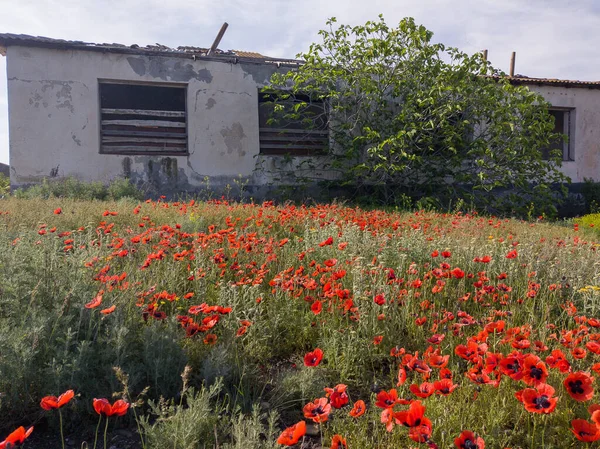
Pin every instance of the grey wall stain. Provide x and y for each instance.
(233, 138)
(63, 94)
(210, 103)
(167, 69)
(76, 140)
(138, 65)
(126, 167)
(261, 73)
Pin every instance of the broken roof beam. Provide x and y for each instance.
(217, 41)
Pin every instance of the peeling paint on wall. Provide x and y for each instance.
(233, 138)
(210, 103)
(167, 70)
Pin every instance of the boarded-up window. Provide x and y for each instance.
(562, 125)
(143, 119)
(294, 125)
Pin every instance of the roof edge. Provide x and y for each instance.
(7, 40)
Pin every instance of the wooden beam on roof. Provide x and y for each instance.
(217, 41)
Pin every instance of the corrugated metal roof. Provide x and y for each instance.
(8, 39)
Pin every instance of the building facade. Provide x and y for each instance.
(175, 119)
(185, 119)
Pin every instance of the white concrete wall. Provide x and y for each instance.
(54, 117)
(585, 128)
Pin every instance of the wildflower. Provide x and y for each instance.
(337, 395)
(316, 307)
(468, 440)
(96, 301)
(52, 402)
(424, 390)
(534, 370)
(358, 409)
(386, 400)
(57, 211)
(210, 339)
(512, 254)
(338, 442)
(579, 386)
(538, 400)
(585, 430)
(17, 437)
(318, 410)
(103, 407)
(327, 242)
(313, 358)
(108, 311)
(444, 387)
(292, 435)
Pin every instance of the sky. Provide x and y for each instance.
(552, 38)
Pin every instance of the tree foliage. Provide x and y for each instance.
(412, 117)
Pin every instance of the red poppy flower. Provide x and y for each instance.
(316, 307)
(338, 442)
(379, 299)
(17, 437)
(538, 400)
(512, 366)
(328, 241)
(292, 435)
(424, 390)
(337, 395)
(446, 254)
(377, 340)
(458, 273)
(444, 387)
(96, 301)
(358, 409)
(387, 418)
(436, 339)
(109, 310)
(103, 407)
(210, 339)
(579, 386)
(318, 410)
(534, 370)
(414, 416)
(386, 400)
(422, 433)
(57, 211)
(512, 254)
(313, 358)
(52, 402)
(584, 430)
(468, 440)
(401, 376)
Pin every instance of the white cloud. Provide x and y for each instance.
(552, 38)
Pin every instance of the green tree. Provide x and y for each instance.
(408, 116)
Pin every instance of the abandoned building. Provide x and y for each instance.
(180, 119)
(186, 118)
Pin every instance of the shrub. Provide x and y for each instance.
(75, 189)
(4, 184)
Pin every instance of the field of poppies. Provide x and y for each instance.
(258, 326)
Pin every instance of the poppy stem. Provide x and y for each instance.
(62, 437)
(105, 430)
(97, 429)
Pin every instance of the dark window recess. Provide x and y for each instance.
(143, 119)
(562, 125)
(301, 129)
